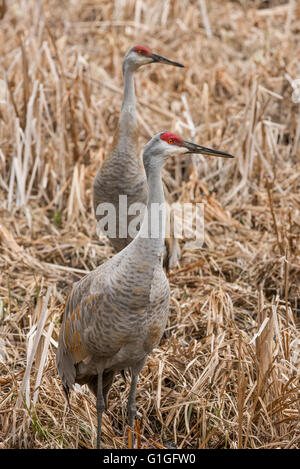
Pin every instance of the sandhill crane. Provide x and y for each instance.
(122, 172)
(117, 314)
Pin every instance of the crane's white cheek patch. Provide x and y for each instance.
(174, 150)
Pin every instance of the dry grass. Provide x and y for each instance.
(226, 374)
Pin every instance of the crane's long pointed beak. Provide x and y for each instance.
(164, 60)
(194, 148)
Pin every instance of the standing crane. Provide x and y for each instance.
(116, 314)
(122, 172)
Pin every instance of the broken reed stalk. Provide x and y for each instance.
(286, 338)
(241, 394)
(25, 83)
(283, 252)
(268, 185)
(74, 133)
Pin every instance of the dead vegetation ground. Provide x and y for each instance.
(226, 374)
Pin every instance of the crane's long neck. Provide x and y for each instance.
(142, 258)
(124, 152)
(128, 110)
(152, 232)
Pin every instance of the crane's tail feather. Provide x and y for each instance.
(123, 375)
(66, 368)
(67, 394)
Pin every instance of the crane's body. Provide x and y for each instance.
(116, 315)
(122, 172)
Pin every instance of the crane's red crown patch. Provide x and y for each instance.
(172, 139)
(142, 50)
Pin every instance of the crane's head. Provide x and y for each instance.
(142, 55)
(166, 144)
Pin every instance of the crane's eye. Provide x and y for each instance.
(139, 51)
(171, 141)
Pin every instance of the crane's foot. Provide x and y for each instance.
(131, 409)
(130, 438)
(67, 395)
(100, 410)
(131, 404)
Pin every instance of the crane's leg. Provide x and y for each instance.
(173, 253)
(131, 404)
(100, 405)
(107, 380)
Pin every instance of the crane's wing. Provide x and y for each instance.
(87, 317)
(70, 349)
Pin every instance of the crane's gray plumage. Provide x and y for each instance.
(116, 315)
(122, 172)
